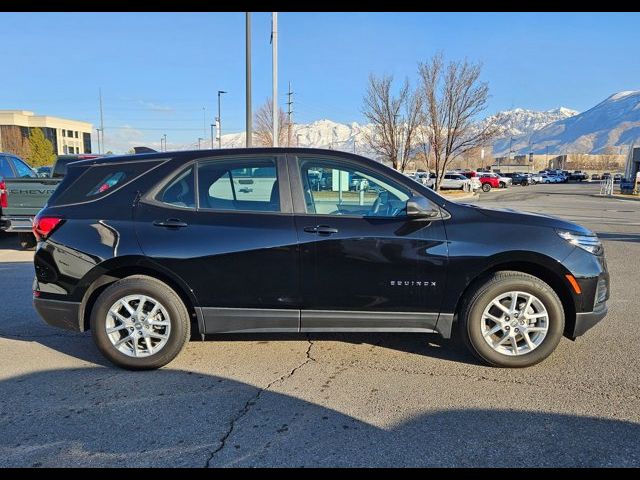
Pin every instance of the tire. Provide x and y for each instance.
(27, 241)
(480, 297)
(178, 318)
(486, 187)
(502, 185)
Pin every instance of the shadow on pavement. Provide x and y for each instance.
(620, 237)
(100, 416)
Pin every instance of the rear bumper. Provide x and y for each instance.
(586, 320)
(59, 314)
(16, 224)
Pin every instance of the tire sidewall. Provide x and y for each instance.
(170, 301)
(533, 286)
(486, 187)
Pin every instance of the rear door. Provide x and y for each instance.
(225, 227)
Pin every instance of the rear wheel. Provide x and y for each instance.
(27, 240)
(512, 319)
(139, 323)
(502, 185)
(486, 187)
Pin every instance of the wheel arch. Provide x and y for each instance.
(539, 266)
(111, 271)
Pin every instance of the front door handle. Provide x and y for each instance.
(170, 223)
(321, 230)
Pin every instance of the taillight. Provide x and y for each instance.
(45, 226)
(4, 198)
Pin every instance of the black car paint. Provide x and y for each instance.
(262, 271)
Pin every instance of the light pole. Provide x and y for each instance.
(220, 92)
(249, 118)
(200, 140)
(99, 147)
(274, 72)
(165, 141)
(212, 136)
(298, 139)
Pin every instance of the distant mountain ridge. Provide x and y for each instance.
(612, 123)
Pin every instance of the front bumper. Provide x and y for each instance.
(59, 314)
(586, 320)
(17, 224)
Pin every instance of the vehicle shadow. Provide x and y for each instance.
(104, 417)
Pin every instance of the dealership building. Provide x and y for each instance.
(67, 136)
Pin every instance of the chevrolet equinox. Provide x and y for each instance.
(143, 249)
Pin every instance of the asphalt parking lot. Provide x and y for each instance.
(333, 399)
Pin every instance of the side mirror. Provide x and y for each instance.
(420, 207)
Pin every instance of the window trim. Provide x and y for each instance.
(298, 186)
(286, 201)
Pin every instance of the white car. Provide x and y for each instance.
(455, 181)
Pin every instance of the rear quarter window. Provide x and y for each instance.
(98, 181)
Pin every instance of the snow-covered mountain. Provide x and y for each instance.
(319, 134)
(521, 121)
(613, 123)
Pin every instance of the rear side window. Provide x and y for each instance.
(180, 191)
(99, 180)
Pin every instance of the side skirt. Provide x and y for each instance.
(252, 320)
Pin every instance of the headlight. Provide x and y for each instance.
(590, 243)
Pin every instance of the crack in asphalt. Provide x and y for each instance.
(252, 401)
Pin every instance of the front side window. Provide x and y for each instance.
(243, 185)
(5, 168)
(331, 189)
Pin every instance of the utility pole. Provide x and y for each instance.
(249, 117)
(212, 136)
(274, 78)
(101, 119)
(289, 112)
(298, 139)
(219, 119)
(204, 121)
(165, 141)
(199, 145)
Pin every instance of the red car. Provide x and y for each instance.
(488, 182)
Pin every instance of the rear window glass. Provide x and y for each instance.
(100, 180)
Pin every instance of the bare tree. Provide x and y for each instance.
(395, 120)
(263, 125)
(453, 96)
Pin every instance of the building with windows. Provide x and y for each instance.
(67, 136)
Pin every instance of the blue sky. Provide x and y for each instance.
(158, 70)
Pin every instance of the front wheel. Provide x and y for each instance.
(512, 319)
(486, 187)
(139, 323)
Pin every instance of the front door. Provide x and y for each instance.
(365, 263)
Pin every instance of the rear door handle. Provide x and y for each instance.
(170, 223)
(321, 230)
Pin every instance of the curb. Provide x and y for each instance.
(618, 196)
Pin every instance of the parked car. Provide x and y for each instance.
(476, 184)
(44, 172)
(489, 181)
(425, 178)
(595, 176)
(22, 194)
(503, 181)
(535, 178)
(455, 181)
(606, 175)
(578, 176)
(518, 178)
(617, 178)
(140, 249)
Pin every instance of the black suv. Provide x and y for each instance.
(142, 249)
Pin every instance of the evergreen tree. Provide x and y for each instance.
(41, 150)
